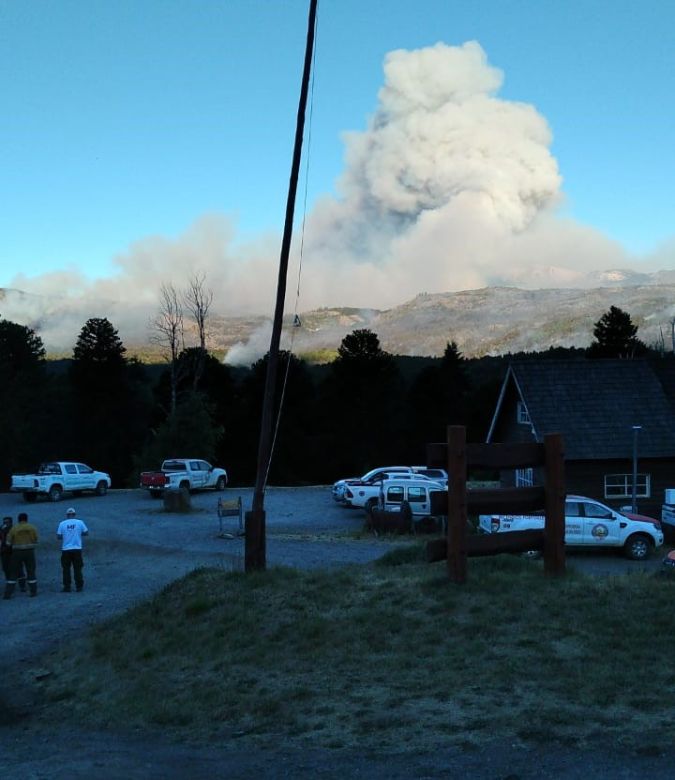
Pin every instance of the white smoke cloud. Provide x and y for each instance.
(449, 187)
(246, 353)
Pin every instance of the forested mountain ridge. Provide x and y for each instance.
(488, 321)
(365, 407)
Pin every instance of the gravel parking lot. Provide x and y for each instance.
(133, 550)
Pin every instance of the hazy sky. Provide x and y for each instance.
(452, 145)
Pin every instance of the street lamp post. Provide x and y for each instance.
(636, 430)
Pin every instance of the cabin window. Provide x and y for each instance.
(522, 415)
(524, 477)
(621, 486)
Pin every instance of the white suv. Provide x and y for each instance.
(590, 523)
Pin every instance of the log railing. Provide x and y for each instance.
(458, 456)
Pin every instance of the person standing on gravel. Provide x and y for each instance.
(23, 539)
(5, 549)
(70, 532)
(6, 554)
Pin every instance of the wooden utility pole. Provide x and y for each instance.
(255, 557)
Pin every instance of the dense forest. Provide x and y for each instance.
(366, 408)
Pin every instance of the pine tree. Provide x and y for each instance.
(110, 403)
(615, 336)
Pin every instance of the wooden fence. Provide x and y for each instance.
(457, 457)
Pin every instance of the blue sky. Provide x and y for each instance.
(129, 121)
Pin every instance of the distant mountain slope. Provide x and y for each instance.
(497, 320)
(489, 321)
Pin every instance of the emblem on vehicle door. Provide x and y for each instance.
(599, 531)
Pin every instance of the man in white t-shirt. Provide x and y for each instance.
(70, 532)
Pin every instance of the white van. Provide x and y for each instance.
(417, 492)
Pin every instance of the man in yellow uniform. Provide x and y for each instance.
(23, 539)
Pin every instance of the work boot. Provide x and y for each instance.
(32, 587)
(9, 590)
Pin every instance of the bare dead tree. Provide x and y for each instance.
(168, 332)
(661, 342)
(197, 299)
(672, 333)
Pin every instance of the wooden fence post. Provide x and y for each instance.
(554, 486)
(457, 517)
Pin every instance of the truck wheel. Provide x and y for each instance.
(101, 488)
(55, 493)
(30, 498)
(371, 505)
(638, 547)
(220, 484)
(184, 486)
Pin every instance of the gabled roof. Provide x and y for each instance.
(594, 404)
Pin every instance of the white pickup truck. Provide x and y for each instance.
(55, 478)
(589, 523)
(185, 473)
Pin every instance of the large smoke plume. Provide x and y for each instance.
(449, 187)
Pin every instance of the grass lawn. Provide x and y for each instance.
(389, 655)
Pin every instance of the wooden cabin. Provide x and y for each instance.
(608, 411)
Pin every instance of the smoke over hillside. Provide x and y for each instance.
(449, 187)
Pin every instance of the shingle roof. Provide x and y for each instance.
(595, 404)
